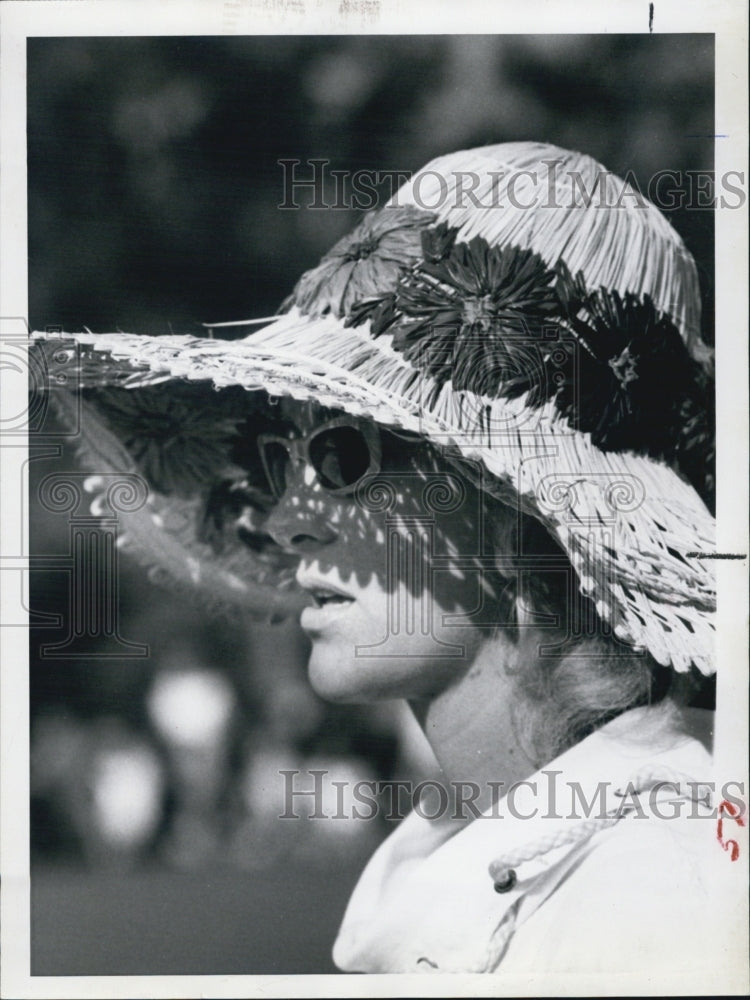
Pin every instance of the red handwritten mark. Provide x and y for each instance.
(732, 810)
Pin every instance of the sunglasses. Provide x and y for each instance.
(342, 452)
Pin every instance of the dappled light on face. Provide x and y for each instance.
(412, 521)
(338, 499)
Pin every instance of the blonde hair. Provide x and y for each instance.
(584, 676)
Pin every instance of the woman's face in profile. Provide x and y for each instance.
(391, 553)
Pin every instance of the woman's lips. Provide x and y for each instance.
(329, 603)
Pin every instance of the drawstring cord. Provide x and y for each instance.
(642, 781)
(503, 868)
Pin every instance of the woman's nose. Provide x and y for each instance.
(301, 521)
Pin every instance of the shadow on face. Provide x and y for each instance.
(371, 504)
(392, 547)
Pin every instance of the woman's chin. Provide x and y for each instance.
(337, 676)
(342, 677)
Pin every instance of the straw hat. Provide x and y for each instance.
(515, 304)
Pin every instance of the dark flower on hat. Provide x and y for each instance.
(696, 440)
(629, 377)
(476, 314)
(365, 264)
(438, 241)
(571, 290)
(499, 322)
(381, 312)
(181, 440)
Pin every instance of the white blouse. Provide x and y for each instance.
(543, 888)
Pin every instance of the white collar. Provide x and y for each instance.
(427, 899)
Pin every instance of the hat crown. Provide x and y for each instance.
(568, 207)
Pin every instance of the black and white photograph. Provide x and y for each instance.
(374, 540)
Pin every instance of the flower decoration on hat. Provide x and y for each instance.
(628, 379)
(471, 313)
(696, 442)
(499, 321)
(364, 264)
(381, 311)
(179, 440)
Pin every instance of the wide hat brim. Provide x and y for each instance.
(634, 529)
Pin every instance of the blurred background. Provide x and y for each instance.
(154, 186)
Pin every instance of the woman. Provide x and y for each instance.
(476, 439)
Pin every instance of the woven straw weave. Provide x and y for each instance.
(629, 523)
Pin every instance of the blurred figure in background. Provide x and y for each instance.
(194, 713)
(100, 786)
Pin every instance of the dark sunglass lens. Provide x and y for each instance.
(275, 461)
(340, 456)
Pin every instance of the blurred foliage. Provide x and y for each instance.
(153, 173)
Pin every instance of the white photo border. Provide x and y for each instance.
(728, 20)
